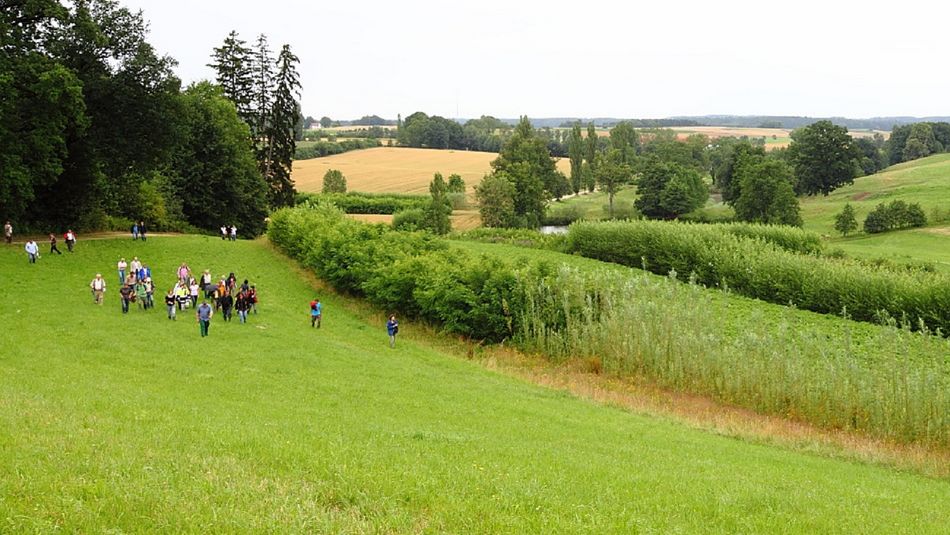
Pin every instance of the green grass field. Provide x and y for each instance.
(132, 423)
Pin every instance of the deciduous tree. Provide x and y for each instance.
(822, 154)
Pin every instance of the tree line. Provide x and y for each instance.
(96, 129)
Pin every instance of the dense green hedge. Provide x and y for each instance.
(409, 273)
(366, 203)
(521, 237)
(329, 148)
(754, 268)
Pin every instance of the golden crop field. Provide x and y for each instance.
(398, 169)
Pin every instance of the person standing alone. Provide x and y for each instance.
(392, 327)
(204, 314)
(8, 232)
(32, 251)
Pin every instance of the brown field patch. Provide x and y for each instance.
(860, 196)
(398, 169)
(941, 231)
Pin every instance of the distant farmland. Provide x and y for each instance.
(398, 170)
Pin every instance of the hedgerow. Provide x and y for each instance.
(763, 270)
(366, 203)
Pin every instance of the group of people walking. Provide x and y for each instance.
(135, 285)
(229, 232)
(138, 230)
(33, 249)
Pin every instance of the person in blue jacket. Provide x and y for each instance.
(392, 327)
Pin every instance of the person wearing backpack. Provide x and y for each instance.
(242, 305)
(127, 294)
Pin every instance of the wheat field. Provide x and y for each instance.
(398, 169)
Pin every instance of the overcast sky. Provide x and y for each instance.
(584, 58)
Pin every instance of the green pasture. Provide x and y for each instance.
(594, 205)
(133, 423)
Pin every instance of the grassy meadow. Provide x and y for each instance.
(133, 423)
(398, 169)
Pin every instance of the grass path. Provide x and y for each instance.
(134, 423)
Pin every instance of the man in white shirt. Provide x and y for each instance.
(98, 286)
(32, 250)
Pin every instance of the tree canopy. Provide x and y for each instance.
(822, 154)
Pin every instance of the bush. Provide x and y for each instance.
(320, 149)
(412, 219)
(564, 215)
(521, 237)
(760, 268)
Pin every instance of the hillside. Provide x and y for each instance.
(133, 423)
(925, 181)
(397, 169)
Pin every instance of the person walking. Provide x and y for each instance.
(122, 265)
(171, 303)
(181, 295)
(70, 239)
(135, 231)
(242, 304)
(149, 293)
(204, 314)
(140, 293)
(32, 251)
(392, 327)
(224, 232)
(193, 291)
(134, 267)
(98, 286)
(233, 231)
(252, 296)
(227, 303)
(52, 244)
(8, 232)
(316, 313)
(127, 294)
(142, 229)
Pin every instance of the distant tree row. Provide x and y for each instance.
(885, 217)
(917, 140)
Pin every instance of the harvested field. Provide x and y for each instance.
(398, 169)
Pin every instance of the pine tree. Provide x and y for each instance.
(278, 160)
(262, 89)
(232, 63)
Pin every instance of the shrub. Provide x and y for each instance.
(412, 219)
(334, 181)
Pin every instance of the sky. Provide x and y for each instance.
(592, 58)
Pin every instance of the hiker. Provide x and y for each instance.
(52, 244)
(134, 267)
(392, 327)
(252, 296)
(206, 284)
(204, 313)
(142, 229)
(316, 313)
(245, 287)
(127, 294)
(98, 286)
(193, 292)
(149, 292)
(242, 304)
(233, 233)
(224, 232)
(140, 292)
(32, 251)
(232, 282)
(183, 273)
(8, 232)
(122, 265)
(226, 302)
(135, 231)
(181, 295)
(70, 239)
(170, 302)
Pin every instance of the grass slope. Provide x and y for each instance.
(134, 423)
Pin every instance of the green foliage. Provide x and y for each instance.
(439, 209)
(456, 192)
(521, 237)
(319, 149)
(766, 194)
(410, 220)
(366, 203)
(667, 189)
(823, 156)
(496, 200)
(845, 222)
(334, 181)
(624, 139)
(611, 173)
(750, 267)
(527, 164)
(575, 151)
(894, 215)
(215, 174)
(728, 159)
